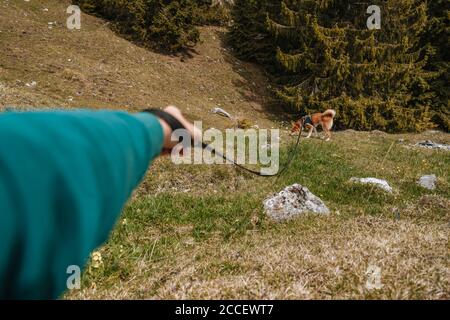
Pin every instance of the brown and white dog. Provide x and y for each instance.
(310, 122)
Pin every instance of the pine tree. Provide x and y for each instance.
(322, 55)
(248, 34)
(374, 78)
(161, 24)
(438, 37)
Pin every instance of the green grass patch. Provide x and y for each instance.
(155, 230)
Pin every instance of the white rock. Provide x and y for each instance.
(221, 112)
(433, 145)
(32, 84)
(428, 182)
(293, 201)
(382, 184)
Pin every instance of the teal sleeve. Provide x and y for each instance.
(64, 180)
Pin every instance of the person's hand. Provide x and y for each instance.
(175, 112)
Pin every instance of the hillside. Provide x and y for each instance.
(93, 67)
(200, 232)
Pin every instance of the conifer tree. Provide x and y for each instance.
(248, 35)
(322, 55)
(162, 24)
(438, 37)
(374, 78)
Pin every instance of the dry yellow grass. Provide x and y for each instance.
(328, 258)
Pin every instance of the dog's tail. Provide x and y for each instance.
(330, 113)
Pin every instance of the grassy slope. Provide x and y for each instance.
(199, 232)
(96, 68)
(220, 245)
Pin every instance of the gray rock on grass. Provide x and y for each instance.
(433, 145)
(428, 182)
(294, 201)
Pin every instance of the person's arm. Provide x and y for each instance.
(64, 179)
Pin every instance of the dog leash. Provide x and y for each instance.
(175, 124)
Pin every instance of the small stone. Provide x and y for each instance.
(428, 182)
(32, 84)
(221, 112)
(382, 184)
(433, 145)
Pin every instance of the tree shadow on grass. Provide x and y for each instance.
(185, 52)
(255, 85)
